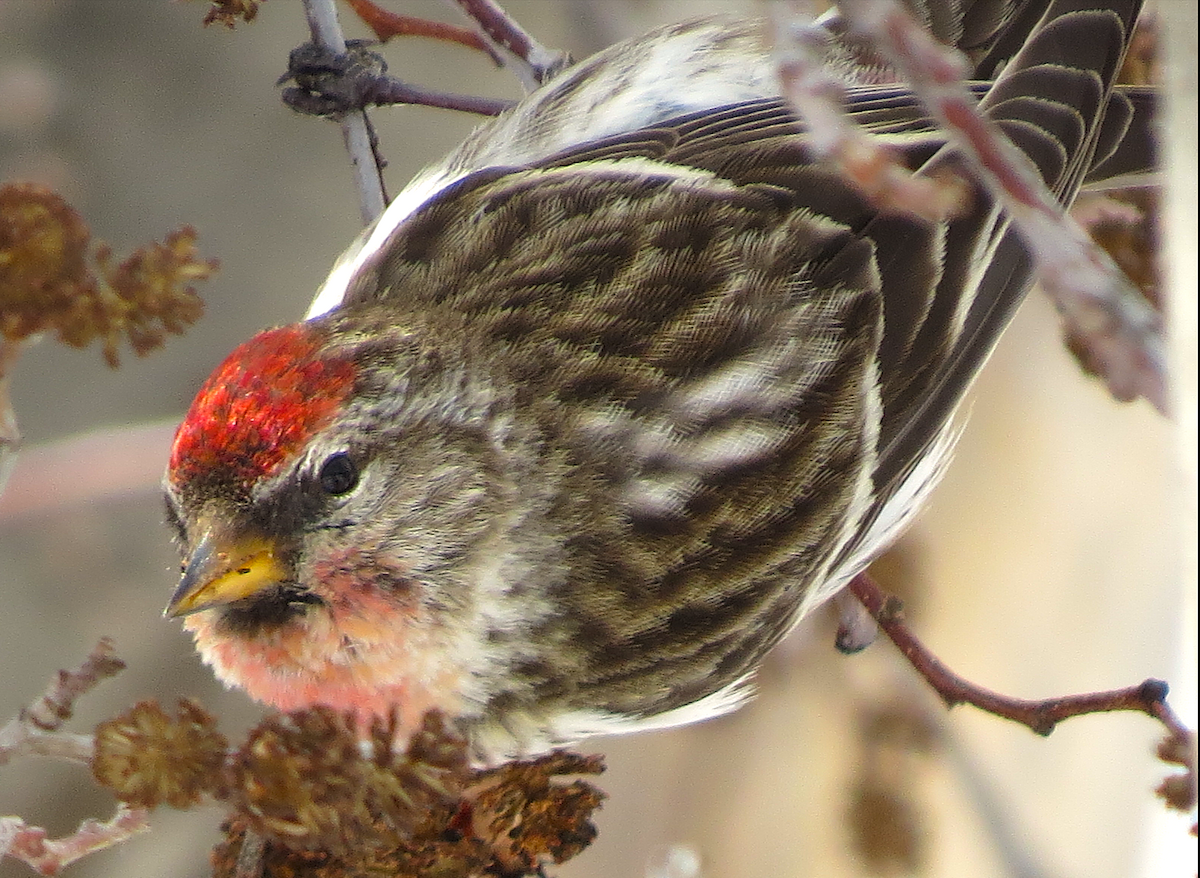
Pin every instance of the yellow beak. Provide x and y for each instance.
(221, 572)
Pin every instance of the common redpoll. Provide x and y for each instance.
(618, 392)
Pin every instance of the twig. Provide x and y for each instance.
(251, 857)
(1179, 145)
(387, 90)
(1041, 716)
(10, 435)
(36, 728)
(48, 857)
(532, 62)
(86, 468)
(817, 97)
(857, 628)
(362, 81)
(1121, 332)
(358, 86)
(386, 24)
(356, 130)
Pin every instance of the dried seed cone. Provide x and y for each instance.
(48, 280)
(308, 780)
(147, 758)
(330, 801)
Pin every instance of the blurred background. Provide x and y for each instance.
(1046, 564)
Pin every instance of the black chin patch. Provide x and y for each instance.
(265, 612)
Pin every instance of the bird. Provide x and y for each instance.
(619, 391)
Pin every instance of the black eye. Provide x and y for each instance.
(338, 474)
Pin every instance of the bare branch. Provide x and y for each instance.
(10, 436)
(1040, 716)
(49, 856)
(36, 728)
(356, 130)
(817, 95)
(386, 25)
(250, 857)
(354, 85)
(387, 90)
(1123, 335)
(532, 62)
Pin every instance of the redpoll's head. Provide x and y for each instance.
(330, 508)
(261, 406)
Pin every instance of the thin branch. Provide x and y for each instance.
(89, 467)
(382, 90)
(532, 62)
(358, 86)
(857, 628)
(49, 856)
(10, 435)
(1122, 334)
(356, 130)
(817, 96)
(251, 857)
(1179, 144)
(386, 24)
(36, 728)
(1040, 716)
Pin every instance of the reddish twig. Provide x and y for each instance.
(338, 80)
(87, 468)
(57, 703)
(1177, 749)
(386, 90)
(386, 24)
(857, 628)
(532, 62)
(49, 856)
(1121, 333)
(251, 856)
(817, 96)
(36, 728)
(1041, 716)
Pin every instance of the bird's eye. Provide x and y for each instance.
(338, 474)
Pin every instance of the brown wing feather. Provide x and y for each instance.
(701, 351)
(711, 330)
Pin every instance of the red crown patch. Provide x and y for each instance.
(259, 407)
